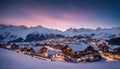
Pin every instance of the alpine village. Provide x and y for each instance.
(66, 49)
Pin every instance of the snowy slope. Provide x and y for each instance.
(12, 60)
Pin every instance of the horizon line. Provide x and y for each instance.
(60, 29)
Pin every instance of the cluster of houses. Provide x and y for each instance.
(70, 50)
(59, 52)
(107, 52)
(28, 50)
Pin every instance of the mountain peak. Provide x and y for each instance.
(39, 26)
(98, 28)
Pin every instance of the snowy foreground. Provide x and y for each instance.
(12, 60)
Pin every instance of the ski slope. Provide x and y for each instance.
(12, 60)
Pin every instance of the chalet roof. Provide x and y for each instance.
(37, 48)
(113, 46)
(52, 51)
(28, 47)
(19, 43)
(82, 46)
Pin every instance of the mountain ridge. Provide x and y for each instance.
(12, 32)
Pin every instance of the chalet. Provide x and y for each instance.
(58, 46)
(115, 55)
(31, 51)
(90, 50)
(59, 56)
(117, 49)
(78, 54)
(83, 48)
(87, 58)
(105, 48)
(55, 54)
(76, 51)
(110, 55)
(24, 50)
(86, 55)
(68, 52)
(42, 52)
(14, 46)
(102, 43)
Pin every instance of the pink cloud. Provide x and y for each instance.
(69, 15)
(47, 20)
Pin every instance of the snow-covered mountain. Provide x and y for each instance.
(98, 33)
(11, 32)
(23, 33)
(75, 32)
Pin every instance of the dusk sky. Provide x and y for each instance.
(61, 14)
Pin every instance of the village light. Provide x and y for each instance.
(78, 59)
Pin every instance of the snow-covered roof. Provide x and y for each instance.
(34, 47)
(22, 46)
(113, 46)
(52, 51)
(81, 46)
(37, 48)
